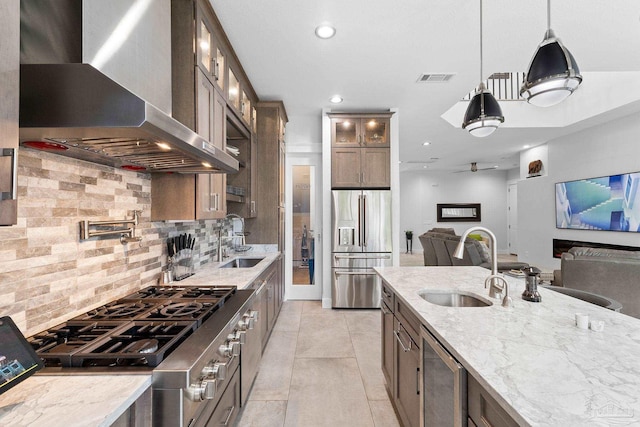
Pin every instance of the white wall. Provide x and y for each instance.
(420, 191)
(608, 149)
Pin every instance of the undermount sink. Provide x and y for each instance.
(453, 299)
(242, 263)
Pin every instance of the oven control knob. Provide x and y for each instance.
(230, 349)
(254, 315)
(209, 389)
(239, 336)
(217, 370)
(246, 323)
(204, 390)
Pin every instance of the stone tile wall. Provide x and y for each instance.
(47, 275)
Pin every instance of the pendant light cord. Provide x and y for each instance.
(548, 14)
(480, 40)
(481, 81)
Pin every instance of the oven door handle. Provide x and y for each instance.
(231, 410)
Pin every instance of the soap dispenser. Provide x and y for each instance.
(532, 275)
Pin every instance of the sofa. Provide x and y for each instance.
(612, 273)
(439, 244)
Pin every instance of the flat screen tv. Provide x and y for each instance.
(609, 203)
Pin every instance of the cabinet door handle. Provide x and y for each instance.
(216, 69)
(404, 348)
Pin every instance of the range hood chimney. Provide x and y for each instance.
(79, 111)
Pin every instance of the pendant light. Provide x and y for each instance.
(553, 74)
(483, 115)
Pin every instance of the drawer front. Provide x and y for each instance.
(408, 320)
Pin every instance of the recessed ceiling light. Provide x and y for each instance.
(325, 31)
(426, 143)
(526, 146)
(336, 99)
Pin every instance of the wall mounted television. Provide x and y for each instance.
(609, 203)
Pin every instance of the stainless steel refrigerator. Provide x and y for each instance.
(361, 223)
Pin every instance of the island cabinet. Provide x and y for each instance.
(483, 409)
(360, 150)
(401, 358)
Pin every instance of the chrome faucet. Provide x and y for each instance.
(495, 290)
(222, 253)
(232, 215)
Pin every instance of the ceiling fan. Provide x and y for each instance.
(475, 168)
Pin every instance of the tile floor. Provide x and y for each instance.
(321, 367)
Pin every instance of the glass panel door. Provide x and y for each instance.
(303, 244)
(303, 241)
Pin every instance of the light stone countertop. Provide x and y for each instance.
(70, 401)
(532, 358)
(212, 275)
(98, 400)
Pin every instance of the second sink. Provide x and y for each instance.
(242, 263)
(453, 299)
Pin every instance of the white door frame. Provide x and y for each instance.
(512, 218)
(314, 291)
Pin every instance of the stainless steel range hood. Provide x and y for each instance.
(77, 110)
(90, 117)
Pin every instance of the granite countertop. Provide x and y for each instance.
(212, 275)
(98, 400)
(71, 401)
(532, 358)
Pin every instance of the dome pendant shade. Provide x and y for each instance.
(553, 74)
(483, 115)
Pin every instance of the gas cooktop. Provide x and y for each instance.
(136, 331)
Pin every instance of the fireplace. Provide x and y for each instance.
(560, 246)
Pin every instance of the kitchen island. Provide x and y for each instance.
(531, 358)
(102, 400)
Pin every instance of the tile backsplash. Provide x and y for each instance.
(47, 274)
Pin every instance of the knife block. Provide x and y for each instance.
(182, 264)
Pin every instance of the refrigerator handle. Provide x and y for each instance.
(360, 220)
(364, 220)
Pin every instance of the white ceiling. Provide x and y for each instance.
(382, 46)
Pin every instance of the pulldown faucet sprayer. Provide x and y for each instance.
(498, 284)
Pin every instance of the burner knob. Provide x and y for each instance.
(230, 349)
(254, 315)
(247, 322)
(204, 390)
(217, 370)
(239, 336)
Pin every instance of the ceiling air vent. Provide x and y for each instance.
(434, 78)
